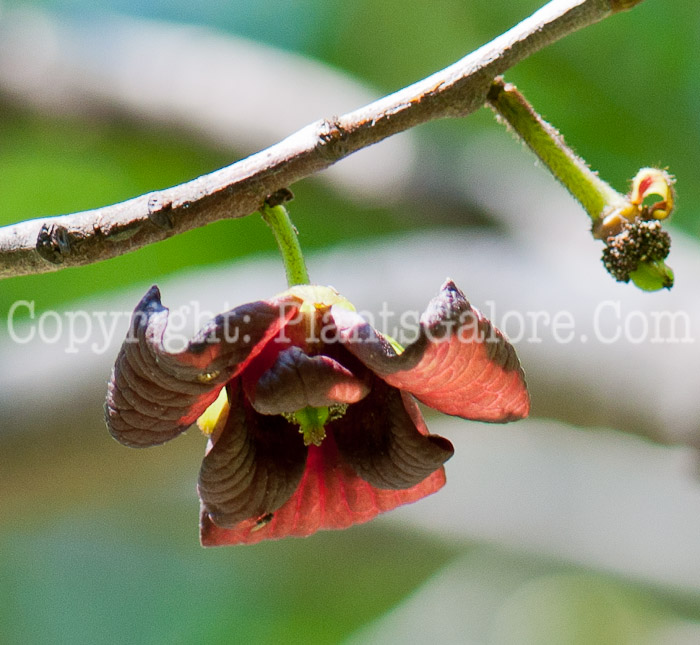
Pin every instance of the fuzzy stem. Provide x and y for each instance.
(595, 195)
(277, 218)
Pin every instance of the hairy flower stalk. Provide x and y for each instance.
(636, 244)
(276, 217)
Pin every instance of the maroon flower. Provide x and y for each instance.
(318, 428)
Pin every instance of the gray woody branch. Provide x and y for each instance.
(51, 243)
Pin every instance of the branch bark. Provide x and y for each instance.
(51, 243)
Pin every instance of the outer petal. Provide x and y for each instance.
(460, 364)
(154, 395)
(379, 440)
(296, 381)
(330, 496)
(254, 466)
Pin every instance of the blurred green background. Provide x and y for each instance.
(99, 545)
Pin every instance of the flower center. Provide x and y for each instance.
(312, 421)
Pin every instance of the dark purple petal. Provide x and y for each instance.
(154, 395)
(382, 444)
(296, 381)
(253, 468)
(460, 364)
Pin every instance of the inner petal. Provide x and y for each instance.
(296, 381)
(254, 466)
(381, 439)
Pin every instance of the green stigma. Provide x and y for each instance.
(312, 422)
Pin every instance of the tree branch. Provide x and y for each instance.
(48, 244)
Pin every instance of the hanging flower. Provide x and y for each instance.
(309, 410)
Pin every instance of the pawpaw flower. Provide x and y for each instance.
(310, 411)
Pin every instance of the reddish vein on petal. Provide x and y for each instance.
(460, 364)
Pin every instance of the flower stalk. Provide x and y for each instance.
(277, 218)
(636, 245)
(595, 195)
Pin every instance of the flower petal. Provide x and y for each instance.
(154, 395)
(254, 466)
(296, 381)
(460, 364)
(330, 496)
(380, 441)
(653, 181)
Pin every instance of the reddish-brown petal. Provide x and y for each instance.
(460, 364)
(254, 466)
(379, 440)
(296, 381)
(330, 496)
(154, 395)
